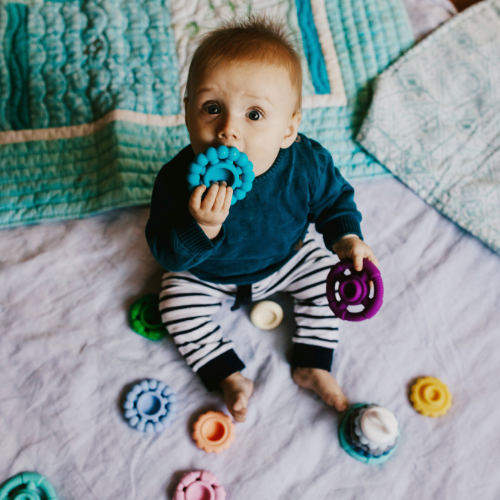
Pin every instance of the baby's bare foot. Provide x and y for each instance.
(321, 382)
(237, 391)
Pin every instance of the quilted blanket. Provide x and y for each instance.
(435, 121)
(91, 91)
(67, 355)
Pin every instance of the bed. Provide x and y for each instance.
(68, 357)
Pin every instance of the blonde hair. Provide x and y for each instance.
(254, 38)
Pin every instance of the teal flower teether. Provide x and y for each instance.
(222, 164)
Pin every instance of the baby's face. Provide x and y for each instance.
(247, 105)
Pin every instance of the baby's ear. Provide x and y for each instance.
(292, 130)
(186, 102)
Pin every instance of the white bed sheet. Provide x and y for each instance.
(67, 355)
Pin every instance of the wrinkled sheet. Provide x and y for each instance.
(426, 15)
(67, 357)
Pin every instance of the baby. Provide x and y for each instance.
(244, 90)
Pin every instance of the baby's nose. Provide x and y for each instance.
(229, 128)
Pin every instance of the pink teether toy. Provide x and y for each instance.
(199, 485)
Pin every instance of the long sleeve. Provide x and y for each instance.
(261, 231)
(333, 209)
(175, 239)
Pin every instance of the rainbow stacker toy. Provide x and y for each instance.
(222, 164)
(213, 432)
(151, 406)
(199, 485)
(369, 433)
(145, 319)
(430, 397)
(27, 486)
(347, 287)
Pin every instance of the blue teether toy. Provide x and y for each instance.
(150, 406)
(222, 164)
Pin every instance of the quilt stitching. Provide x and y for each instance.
(124, 140)
(435, 121)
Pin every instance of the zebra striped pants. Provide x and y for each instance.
(187, 304)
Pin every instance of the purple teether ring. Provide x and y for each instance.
(351, 290)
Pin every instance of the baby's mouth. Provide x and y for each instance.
(227, 146)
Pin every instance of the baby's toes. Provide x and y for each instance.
(341, 403)
(338, 401)
(239, 416)
(239, 408)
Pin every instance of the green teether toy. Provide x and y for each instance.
(145, 318)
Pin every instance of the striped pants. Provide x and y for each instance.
(187, 304)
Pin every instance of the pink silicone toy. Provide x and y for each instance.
(199, 485)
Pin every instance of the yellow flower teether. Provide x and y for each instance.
(430, 397)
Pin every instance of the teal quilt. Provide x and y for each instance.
(435, 121)
(91, 91)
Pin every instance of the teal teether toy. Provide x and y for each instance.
(222, 164)
(27, 486)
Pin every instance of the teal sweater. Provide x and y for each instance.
(262, 231)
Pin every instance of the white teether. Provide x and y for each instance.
(266, 315)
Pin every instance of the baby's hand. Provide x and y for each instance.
(352, 247)
(213, 210)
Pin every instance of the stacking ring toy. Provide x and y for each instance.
(347, 287)
(27, 486)
(222, 164)
(430, 397)
(199, 485)
(145, 318)
(266, 315)
(213, 432)
(369, 433)
(150, 406)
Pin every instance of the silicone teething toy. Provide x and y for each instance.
(145, 317)
(430, 397)
(213, 432)
(199, 485)
(27, 486)
(369, 433)
(222, 164)
(266, 315)
(353, 288)
(150, 406)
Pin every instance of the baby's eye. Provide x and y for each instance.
(254, 115)
(211, 109)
